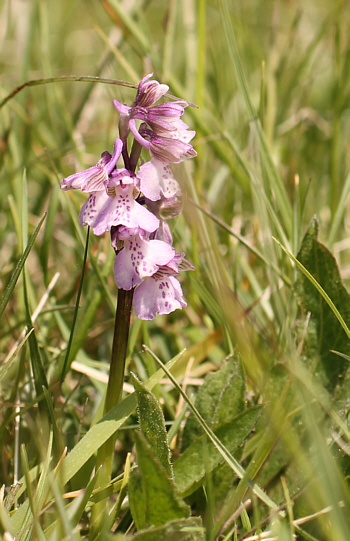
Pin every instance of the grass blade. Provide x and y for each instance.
(65, 364)
(19, 267)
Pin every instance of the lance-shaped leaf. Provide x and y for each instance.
(154, 500)
(324, 331)
(19, 267)
(219, 399)
(190, 468)
(152, 424)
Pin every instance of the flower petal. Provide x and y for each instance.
(138, 259)
(157, 296)
(93, 179)
(157, 178)
(102, 212)
(149, 92)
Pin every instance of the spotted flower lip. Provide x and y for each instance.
(93, 179)
(157, 179)
(160, 296)
(102, 212)
(139, 258)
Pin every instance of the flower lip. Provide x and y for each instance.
(140, 258)
(102, 211)
(158, 296)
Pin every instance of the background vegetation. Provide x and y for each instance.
(272, 82)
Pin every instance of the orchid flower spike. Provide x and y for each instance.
(136, 202)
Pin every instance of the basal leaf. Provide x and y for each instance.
(161, 501)
(220, 399)
(137, 499)
(92, 440)
(324, 331)
(190, 468)
(103, 430)
(152, 424)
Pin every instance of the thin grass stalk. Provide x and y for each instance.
(66, 360)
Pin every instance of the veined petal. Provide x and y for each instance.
(102, 212)
(158, 296)
(168, 150)
(93, 179)
(149, 92)
(178, 132)
(138, 259)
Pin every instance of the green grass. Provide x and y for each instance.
(272, 82)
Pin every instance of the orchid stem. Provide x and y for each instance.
(119, 349)
(105, 453)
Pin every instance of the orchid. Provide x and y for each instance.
(136, 203)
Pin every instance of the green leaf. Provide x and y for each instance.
(137, 499)
(154, 500)
(324, 331)
(152, 424)
(224, 452)
(6, 367)
(66, 363)
(49, 228)
(220, 399)
(189, 529)
(190, 468)
(103, 430)
(95, 437)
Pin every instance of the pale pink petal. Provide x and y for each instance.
(157, 178)
(94, 178)
(102, 212)
(138, 259)
(157, 296)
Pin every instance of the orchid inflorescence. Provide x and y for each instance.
(135, 203)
